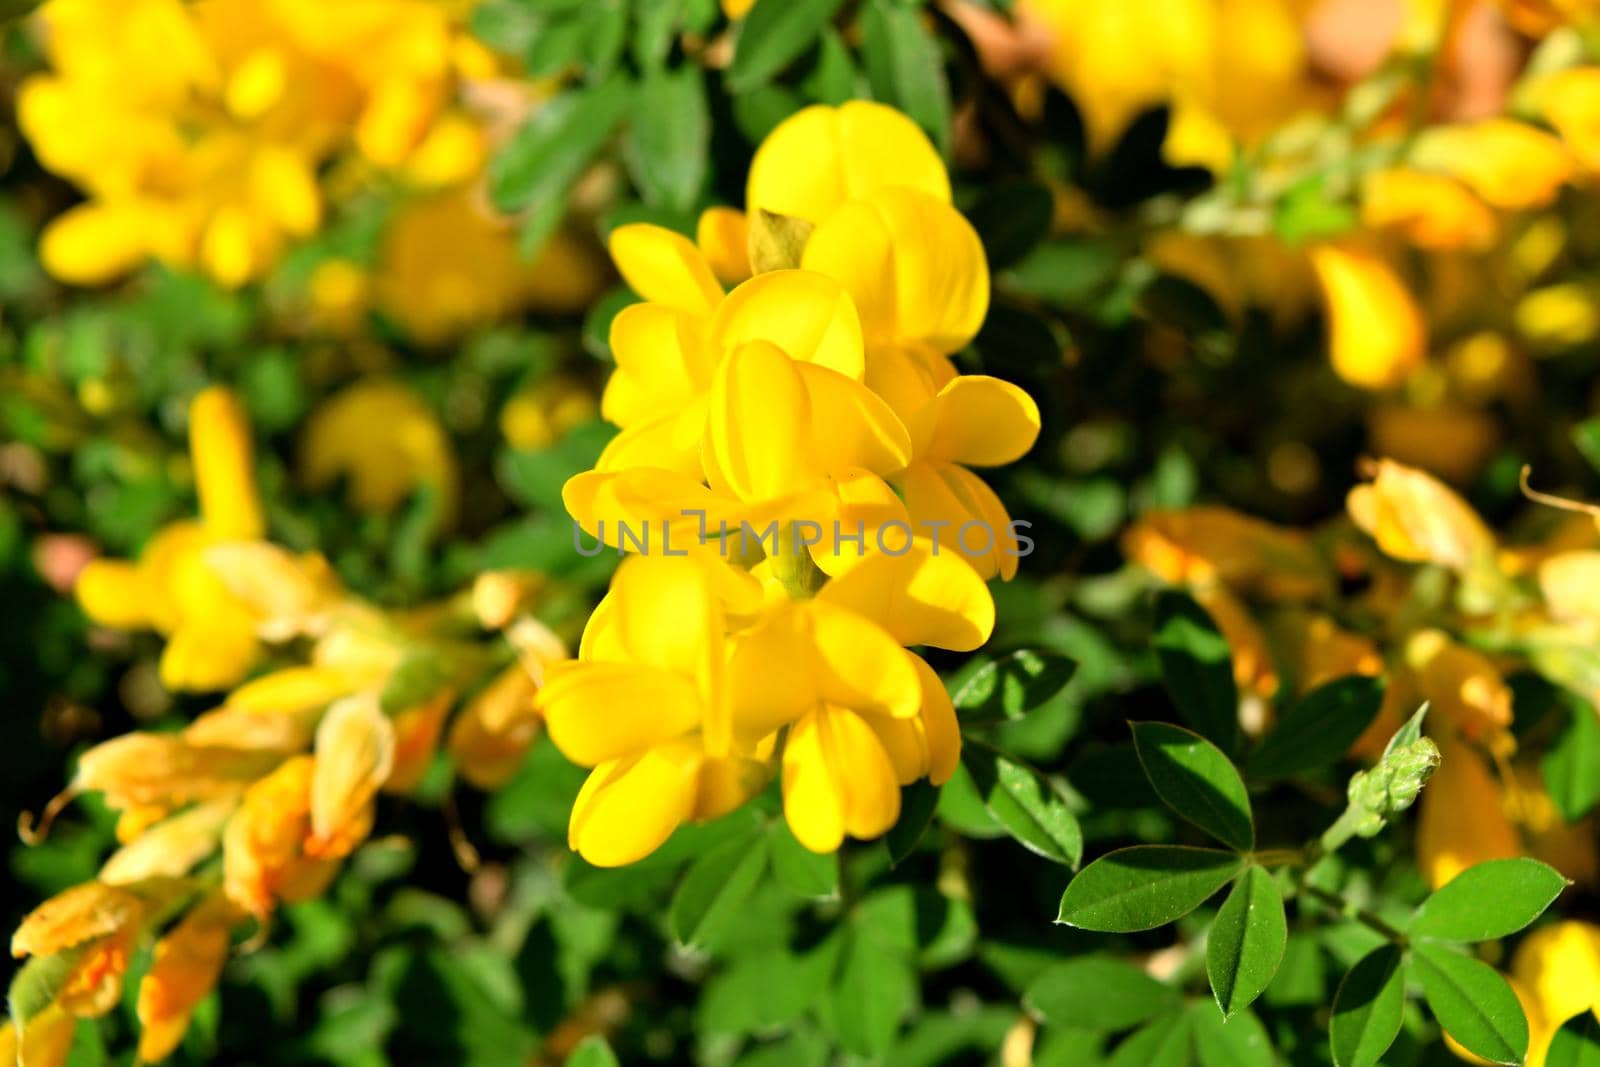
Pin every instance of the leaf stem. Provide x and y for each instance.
(1338, 904)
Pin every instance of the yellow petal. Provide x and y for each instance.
(940, 729)
(662, 363)
(722, 235)
(172, 847)
(667, 617)
(1559, 966)
(925, 596)
(94, 243)
(113, 593)
(758, 444)
(207, 655)
(967, 515)
(859, 664)
(1416, 518)
(977, 421)
(293, 691)
(355, 752)
(597, 712)
(807, 315)
(837, 779)
(664, 267)
(628, 808)
(1462, 821)
(184, 968)
(907, 376)
(46, 1040)
(1376, 333)
(224, 466)
(852, 429)
(671, 441)
(821, 156)
(1569, 582)
(1511, 164)
(914, 267)
(74, 916)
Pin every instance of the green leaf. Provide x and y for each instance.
(1195, 780)
(592, 1051)
(548, 153)
(1572, 766)
(1237, 1042)
(774, 34)
(1489, 900)
(1367, 1008)
(35, 985)
(904, 67)
(871, 993)
(1472, 1002)
(1247, 941)
(652, 37)
(1012, 685)
(1576, 1044)
(1165, 1042)
(1026, 804)
(1011, 218)
(918, 802)
(1319, 728)
(1197, 667)
(1145, 886)
(798, 869)
(670, 136)
(715, 886)
(1586, 436)
(1098, 993)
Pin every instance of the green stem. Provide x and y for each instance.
(1341, 906)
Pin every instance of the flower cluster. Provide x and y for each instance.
(815, 404)
(257, 802)
(1421, 591)
(200, 133)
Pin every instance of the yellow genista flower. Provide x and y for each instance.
(1510, 164)
(1556, 971)
(45, 1041)
(1376, 333)
(211, 634)
(197, 130)
(183, 970)
(1199, 545)
(1417, 519)
(1232, 69)
(1433, 211)
(1570, 99)
(540, 415)
(385, 439)
(865, 716)
(1463, 818)
(448, 264)
(646, 705)
(1559, 316)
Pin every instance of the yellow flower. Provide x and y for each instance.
(264, 857)
(646, 705)
(197, 131)
(45, 1041)
(447, 264)
(1509, 164)
(1433, 211)
(381, 436)
(540, 415)
(1556, 969)
(1417, 519)
(211, 634)
(1376, 332)
(1205, 544)
(1463, 820)
(1571, 101)
(184, 968)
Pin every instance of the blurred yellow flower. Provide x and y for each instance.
(386, 441)
(1376, 333)
(541, 414)
(197, 131)
(1556, 970)
(211, 634)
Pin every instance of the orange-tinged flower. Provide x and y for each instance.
(490, 736)
(1463, 819)
(187, 963)
(1510, 164)
(1209, 543)
(1433, 211)
(355, 754)
(1417, 519)
(45, 1040)
(264, 860)
(1463, 687)
(75, 916)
